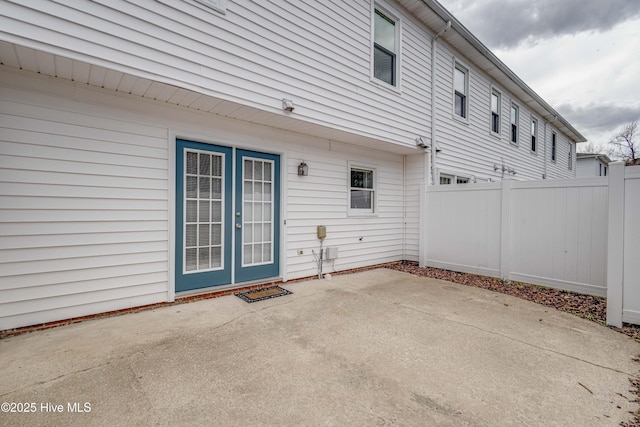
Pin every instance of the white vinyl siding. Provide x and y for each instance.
(361, 240)
(87, 185)
(414, 175)
(84, 220)
(317, 54)
(470, 147)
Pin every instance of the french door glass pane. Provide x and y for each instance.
(203, 211)
(257, 225)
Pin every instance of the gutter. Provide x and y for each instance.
(553, 115)
(433, 100)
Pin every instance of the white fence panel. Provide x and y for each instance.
(631, 292)
(558, 234)
(463, 228)
(580, 235)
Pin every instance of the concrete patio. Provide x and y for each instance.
(373, 348)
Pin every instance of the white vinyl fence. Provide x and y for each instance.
(580, 235)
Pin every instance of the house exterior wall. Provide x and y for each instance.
(590, 167)
(87, 198)
(317, 54)
(415, 177)
(471, 149)
(88, 166)
(587, 168)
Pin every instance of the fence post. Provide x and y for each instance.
(422, 227)
(615, 244)
(505, 229)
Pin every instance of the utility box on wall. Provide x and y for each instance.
(331, 253)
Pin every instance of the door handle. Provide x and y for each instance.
(238, 225)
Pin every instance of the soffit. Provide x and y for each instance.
(60, 66)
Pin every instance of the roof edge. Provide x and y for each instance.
(445, 15)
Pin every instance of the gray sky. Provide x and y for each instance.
(581, 56)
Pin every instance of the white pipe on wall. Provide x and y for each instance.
(433, 100)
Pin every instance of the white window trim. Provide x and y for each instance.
(537, 135)
(499, 93)
(457, 63)
(517, 123)
(395, 16)
(374, 208)
(184, 210)
(455, 176)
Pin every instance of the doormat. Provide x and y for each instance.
(262, 294)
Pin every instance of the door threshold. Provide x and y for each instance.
(231, 286)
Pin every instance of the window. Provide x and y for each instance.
(495, 112)
(605, 171)
(553, 146)
(362, 190)
(534, 135)
(570, 158)
(384, 48)
(514, 123)
(460, 87)
(446, 179)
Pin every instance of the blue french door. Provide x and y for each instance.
(257, 215)
(218, 243)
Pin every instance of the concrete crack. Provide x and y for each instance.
(539, 347)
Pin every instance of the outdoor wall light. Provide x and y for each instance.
(303, 169)
(287, 105)
(421, 143)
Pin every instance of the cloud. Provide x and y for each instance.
(601, 119)
(507, 24)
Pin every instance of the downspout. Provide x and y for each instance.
(433, 100)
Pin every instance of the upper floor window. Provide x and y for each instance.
(495, 111)
(603, 169)
(460, 89)
(515, 113)
(385, 46)
(534, 135)
(570, 158)
(553, 146)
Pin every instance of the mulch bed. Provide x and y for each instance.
(585, 306)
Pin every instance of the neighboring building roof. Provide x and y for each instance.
(602, 157)
(464, 41)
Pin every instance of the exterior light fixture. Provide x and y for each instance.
(421, 143)
(287, 105)
(303, 169)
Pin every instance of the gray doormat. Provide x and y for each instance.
(262, 294)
